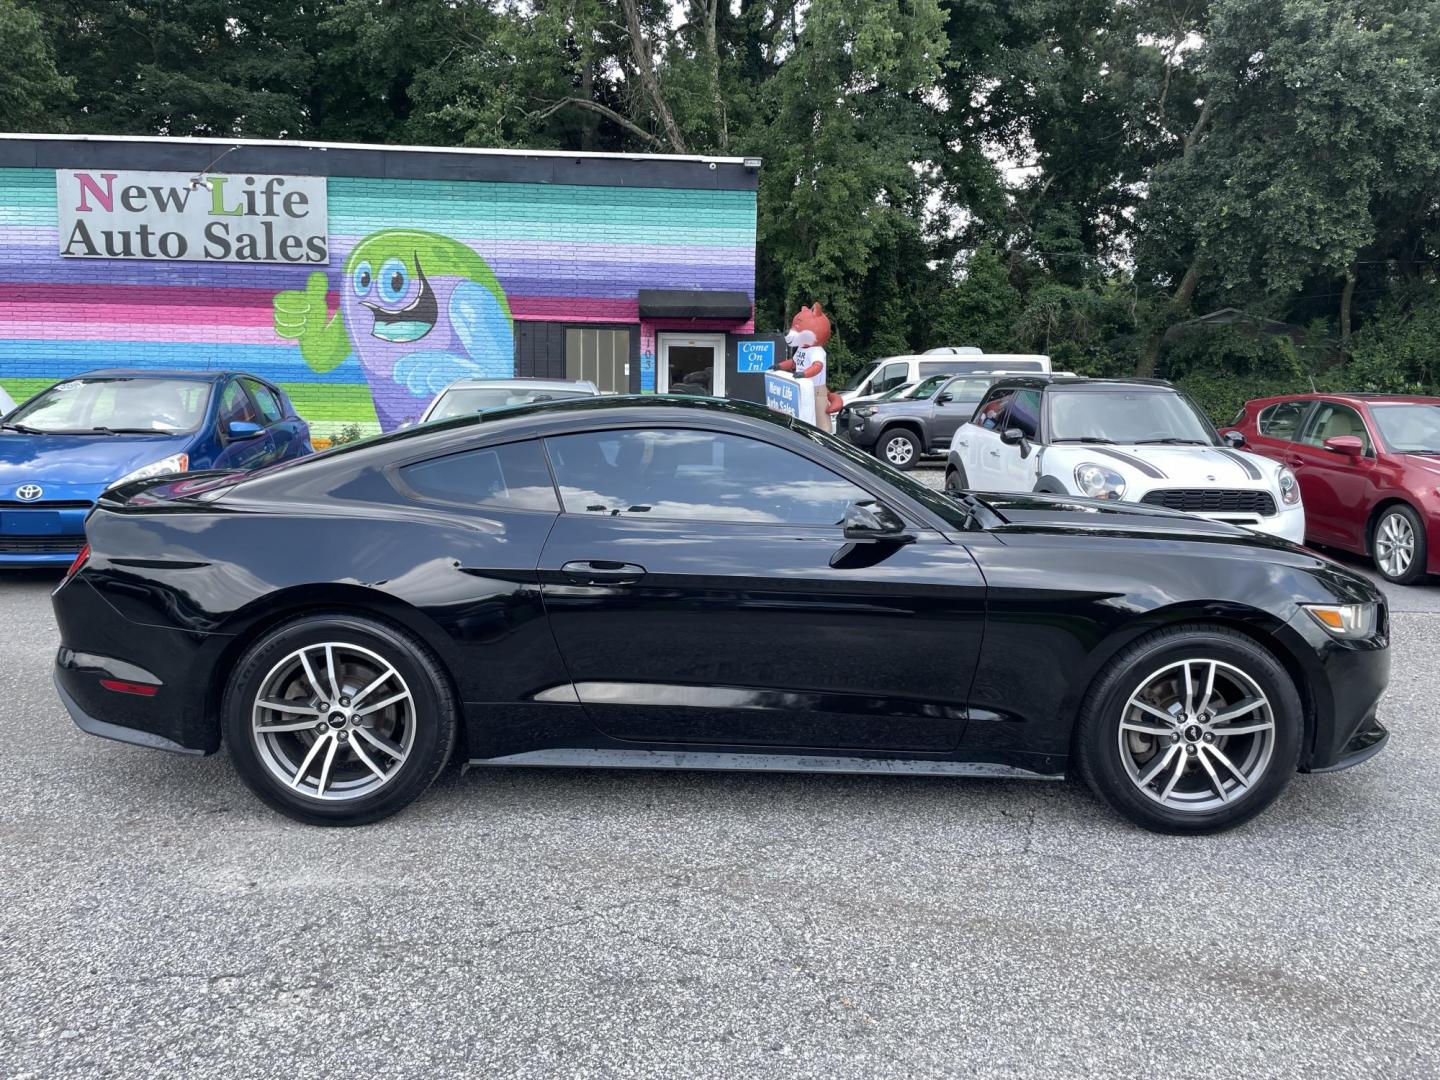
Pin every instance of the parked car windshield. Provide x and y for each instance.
(861, 375)
(475, 399)
(120, 406)
(1127, 416)
(895, 392)
(1409, 428)
(924, 389)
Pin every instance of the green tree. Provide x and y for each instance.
(32, 91)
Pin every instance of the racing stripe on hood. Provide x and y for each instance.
(1139, 464)
(1250, 470)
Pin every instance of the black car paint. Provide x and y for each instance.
(975, 643)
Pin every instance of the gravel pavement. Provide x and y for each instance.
(157, 921)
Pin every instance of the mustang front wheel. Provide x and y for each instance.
(1190, 730)
(338, 720)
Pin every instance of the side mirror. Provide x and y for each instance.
(874, 521)
(243, 429)
(1012, 436)
(1349, 445)
(1234, 439)
(944, 399)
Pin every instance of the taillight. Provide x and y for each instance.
(122, 687)
(81, 558)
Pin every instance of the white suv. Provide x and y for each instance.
(1136, 440)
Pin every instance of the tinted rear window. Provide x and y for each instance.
(512, 477)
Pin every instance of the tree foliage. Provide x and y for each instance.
(1075, 176)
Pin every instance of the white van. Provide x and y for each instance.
(892, 371)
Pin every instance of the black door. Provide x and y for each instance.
(701, 591)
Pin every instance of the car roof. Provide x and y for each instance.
(151, 373)
(540, 381)
(1353, 399)
(1081, 382)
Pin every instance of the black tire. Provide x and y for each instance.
(955, 479)
(899, 448)
(1382, 549)
(1102, 761)
(430, 715)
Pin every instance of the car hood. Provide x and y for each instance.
(77, 466)
(1427, 462)
(1178, 466)
(1046, 513)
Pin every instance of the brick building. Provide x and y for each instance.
(364, 278)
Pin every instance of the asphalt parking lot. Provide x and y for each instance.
(159, 921)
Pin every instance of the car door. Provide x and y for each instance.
(950, 410)
(282, 432)
(701, 590)
(236, 406)
(979, 440)
(1278, 426)
(1017, 463)
(1337, 490)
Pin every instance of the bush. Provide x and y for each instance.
(347, 434)
(1396, 351)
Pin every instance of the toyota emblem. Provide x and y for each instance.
(29, 492)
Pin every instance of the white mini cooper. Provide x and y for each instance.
(1137, 440)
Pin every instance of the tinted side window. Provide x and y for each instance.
(936, 367)
(1282, 421)
(235, 405)
(1330, 420)
(1025, 413)
(991, 413)
(512, 477)
(265, 398)
(891, 375)
(695, 476)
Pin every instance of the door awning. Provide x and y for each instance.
(693, 304)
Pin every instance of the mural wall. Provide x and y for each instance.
(424, 282)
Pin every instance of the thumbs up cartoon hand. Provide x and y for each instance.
(301, 315)
(297, 310)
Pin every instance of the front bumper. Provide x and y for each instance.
(856, 430)
(39, 537)
(1345, 681)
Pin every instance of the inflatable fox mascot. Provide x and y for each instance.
(809, 331)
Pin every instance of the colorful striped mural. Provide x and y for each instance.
(487, 252)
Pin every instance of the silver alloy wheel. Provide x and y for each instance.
(334, 721)
(899, 450)
(1394, 545)
(1196, 735)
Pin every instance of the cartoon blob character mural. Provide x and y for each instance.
(418, 310)
(809, 331)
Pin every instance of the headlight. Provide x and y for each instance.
(1098, 482)
(175, 463)
(864, 410)
(1344, 620)
(1289, 487)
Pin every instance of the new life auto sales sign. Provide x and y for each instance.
(164, 215)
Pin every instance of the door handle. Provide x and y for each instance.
(1292, 461)
(962, 442)
(602, 571)
(993, 453)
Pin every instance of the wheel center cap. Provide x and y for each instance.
(336, 720)
(1193, 733)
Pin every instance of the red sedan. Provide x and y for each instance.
(1369, 472)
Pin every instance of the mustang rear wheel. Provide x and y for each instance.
(339, 720)
(1190, 730)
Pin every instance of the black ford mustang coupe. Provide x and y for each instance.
(667, 582)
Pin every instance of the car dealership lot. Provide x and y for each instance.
(650, 924)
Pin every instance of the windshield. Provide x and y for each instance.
(895, 392)
(861, 375)
(971, 388)
(925, 388)
(1127, 416)
(122, 406)
(474, 399)
(1409, 428)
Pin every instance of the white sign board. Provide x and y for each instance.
(784, 394)
(166, 215)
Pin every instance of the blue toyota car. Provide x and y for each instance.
(67, 444)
